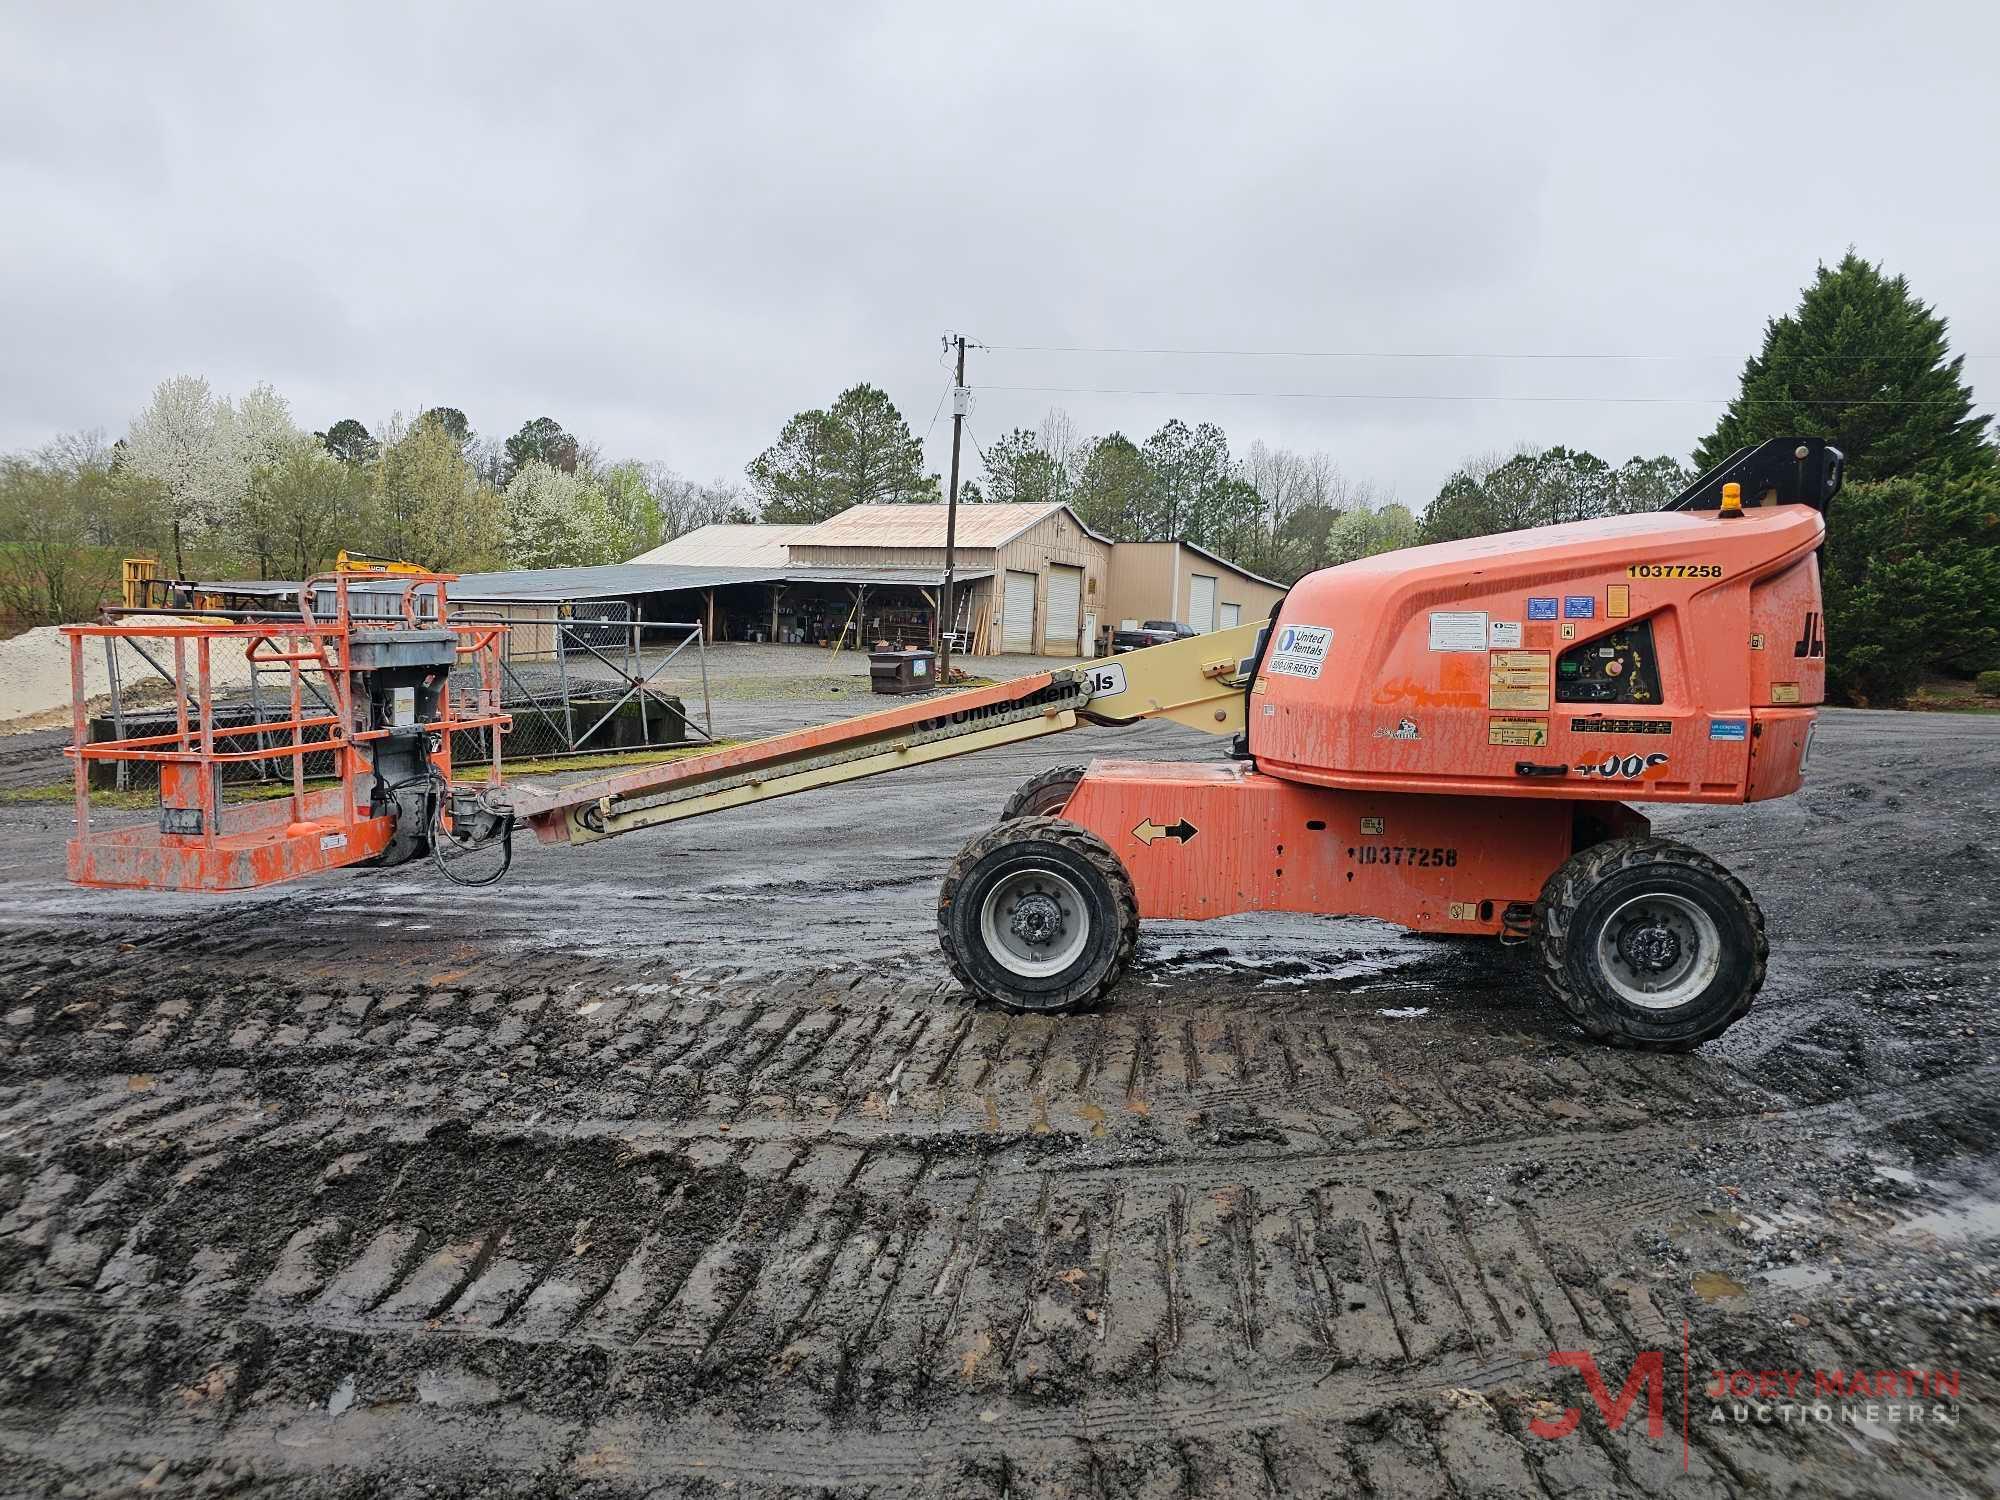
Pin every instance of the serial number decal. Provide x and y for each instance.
(1674, 570)
(1621, 726)
(1622, 767)
(1405, 854)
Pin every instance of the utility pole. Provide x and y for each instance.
(947, 615)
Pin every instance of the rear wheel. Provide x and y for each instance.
(1648, 943)
(1038, 915)
(1043, 796)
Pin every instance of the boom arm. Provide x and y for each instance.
(1196, 682)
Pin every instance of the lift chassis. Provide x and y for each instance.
(1449, 738)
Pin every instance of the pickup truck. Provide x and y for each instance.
(1150, 633)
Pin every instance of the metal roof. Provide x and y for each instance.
(1216, 557)
(615, 581)
(980, 525)
(727, 544)
(608, 581)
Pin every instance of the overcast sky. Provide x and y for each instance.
(671, 226)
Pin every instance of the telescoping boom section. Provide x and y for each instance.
(1198, 682)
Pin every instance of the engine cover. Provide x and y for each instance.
(1653, 657)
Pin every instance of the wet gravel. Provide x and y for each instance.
(675, 1166)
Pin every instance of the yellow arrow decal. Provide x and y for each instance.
(1147, 831)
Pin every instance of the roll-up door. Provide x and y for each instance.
(1201, 602)
(1065, 604)
(1232, 616)
(1017, 612)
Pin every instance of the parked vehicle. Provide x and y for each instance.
(1150, 633)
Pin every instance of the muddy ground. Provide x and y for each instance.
(675, 1167)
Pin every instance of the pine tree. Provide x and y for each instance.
(1865, 365)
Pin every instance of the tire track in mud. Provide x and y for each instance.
(643, 1227)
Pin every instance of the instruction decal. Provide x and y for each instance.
(1149, 831)
(1525, 734)
(1622, 726)
(1504, 634)
(1299, 651)
(1579, 606)
(1518, 680)
(1371, 825)
(332, 841)
(1674, 570)
(1784, 692)
(1458, 630)
(1617, 601)
(1729, 729)
(1542, 608)
(1462, 911)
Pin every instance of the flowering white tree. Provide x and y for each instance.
(185, 441)
(265, 431)
(555, 520)
(203, 452)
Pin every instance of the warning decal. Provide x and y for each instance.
(1521, 733)
(1518, 680)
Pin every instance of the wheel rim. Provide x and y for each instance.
(1034, 922)
(1659, 950)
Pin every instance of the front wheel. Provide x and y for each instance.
(1038, 915)
(1648, 943)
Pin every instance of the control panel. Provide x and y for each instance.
(1618, 667)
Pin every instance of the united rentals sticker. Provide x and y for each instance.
(1299, 651)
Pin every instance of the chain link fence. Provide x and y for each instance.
(593, 682)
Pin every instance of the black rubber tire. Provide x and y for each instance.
(1098, 876)
(1583, 894)
(1044, 795)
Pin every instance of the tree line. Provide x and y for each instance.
(1272, 510)
(226, 488)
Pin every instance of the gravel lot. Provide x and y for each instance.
(673, 1166)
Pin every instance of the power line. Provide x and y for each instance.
(1176, 351)
(1107, 390)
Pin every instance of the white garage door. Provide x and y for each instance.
(1065, 605)
(1017, 613)
(1201, 602)
(1232, 616)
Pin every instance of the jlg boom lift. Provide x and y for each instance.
(1448, 737)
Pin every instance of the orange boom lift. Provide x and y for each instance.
(1447, 737)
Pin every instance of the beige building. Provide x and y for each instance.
(1037, 579)
(1030, 579)
(1180, 581)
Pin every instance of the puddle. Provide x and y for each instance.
(1797, 1278)
(1713, 1286)
(1964, 1221)
(1405, 1013)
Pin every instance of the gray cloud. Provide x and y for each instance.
(672, 226)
